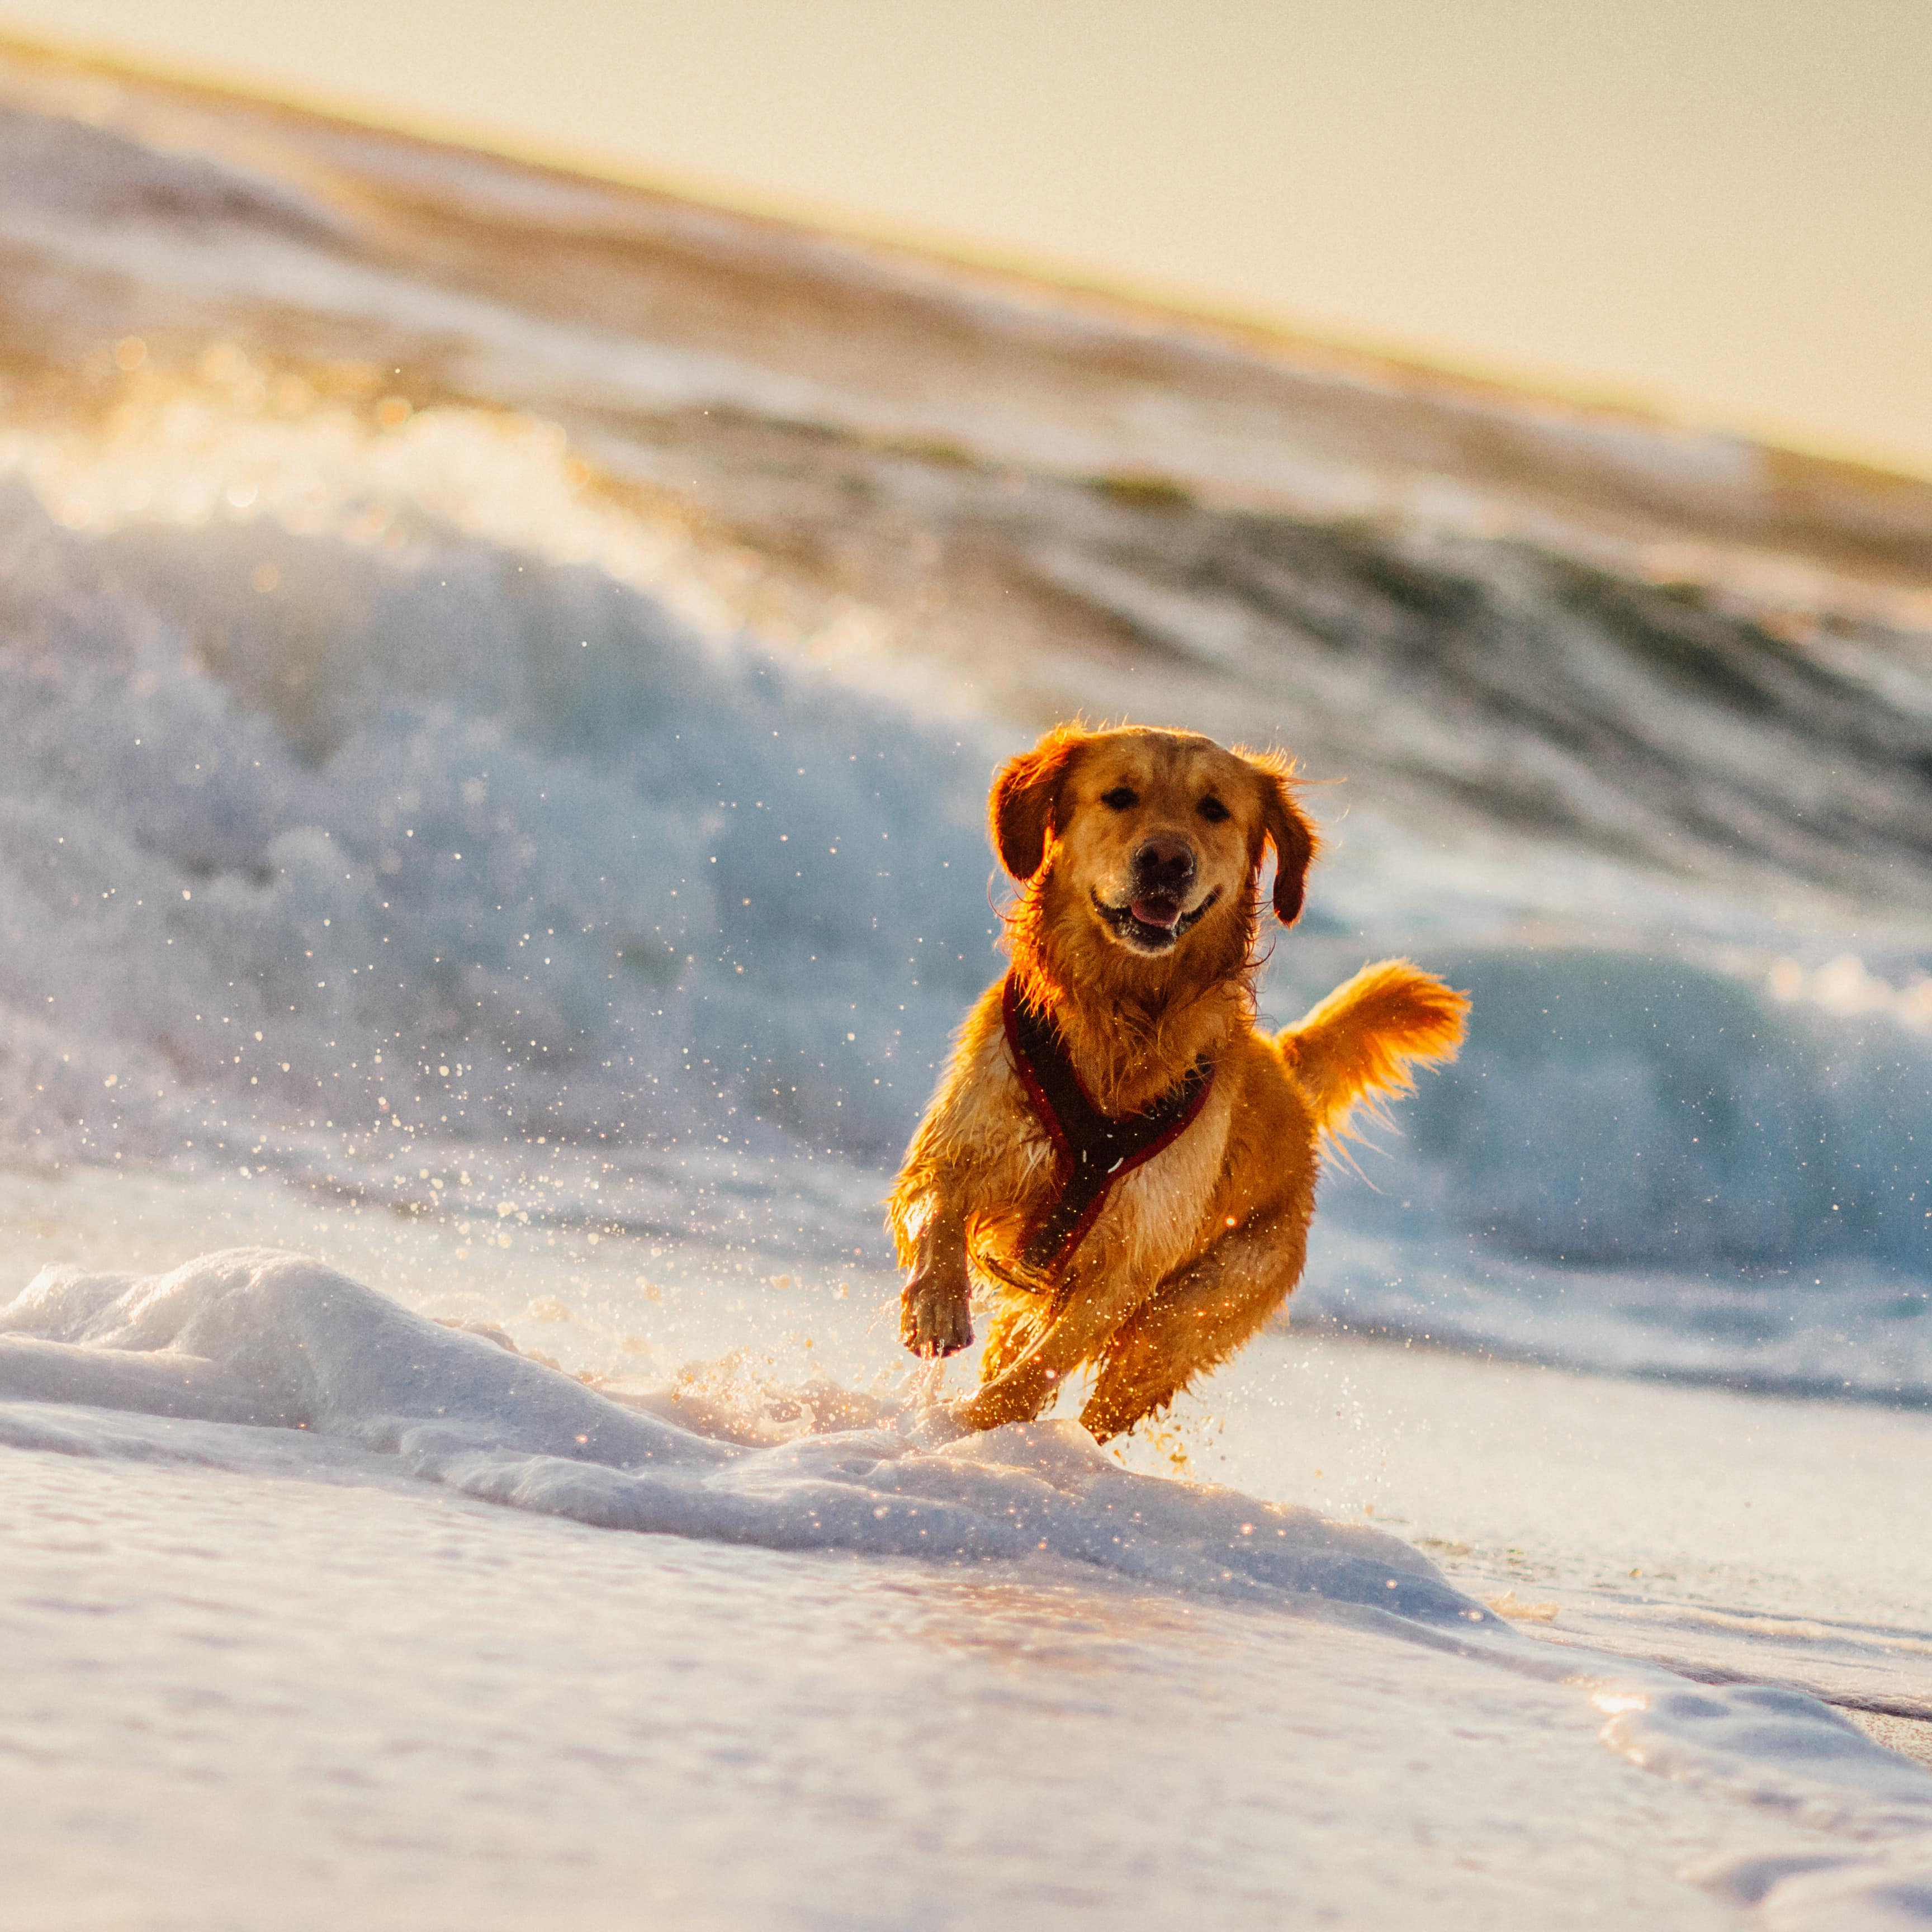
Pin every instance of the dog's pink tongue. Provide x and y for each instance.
(1164, 913)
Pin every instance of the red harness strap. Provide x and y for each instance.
(1095, 1150)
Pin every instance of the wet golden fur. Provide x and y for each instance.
(1197, 1248)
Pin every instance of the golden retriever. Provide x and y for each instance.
(1117, 1156)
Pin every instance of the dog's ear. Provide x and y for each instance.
(1026, 798)
(1288, 829)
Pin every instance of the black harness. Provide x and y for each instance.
(1094, 1149)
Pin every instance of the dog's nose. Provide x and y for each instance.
(1165, 865)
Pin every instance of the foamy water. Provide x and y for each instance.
(277, 1342)
(317, 1395)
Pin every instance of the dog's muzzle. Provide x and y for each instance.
(1153, 922)
(1161, 880)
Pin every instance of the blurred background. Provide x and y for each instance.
(523, 538)
(1719, 211)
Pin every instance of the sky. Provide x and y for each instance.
(1721, 209)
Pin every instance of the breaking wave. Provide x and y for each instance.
(1617, 1108)
(451, 837)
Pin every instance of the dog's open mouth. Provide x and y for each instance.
(1153, 922)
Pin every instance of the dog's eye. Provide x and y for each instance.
(1212, 810)
(1120, 798)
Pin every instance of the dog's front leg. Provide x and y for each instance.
(935, 1305)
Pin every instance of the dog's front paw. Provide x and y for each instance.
(936, 1312)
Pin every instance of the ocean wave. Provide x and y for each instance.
(1622, 1109)
(56, 165)
(450, 839)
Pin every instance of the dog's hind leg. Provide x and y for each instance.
(1198, 1317)
(1017, 1323)
(1019, 1381)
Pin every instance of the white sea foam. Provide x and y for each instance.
(270, 1365)
(1778, 1749)
(292, 1682)
(279, 1341)
(1779, 1752)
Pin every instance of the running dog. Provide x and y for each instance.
(1117, 1156)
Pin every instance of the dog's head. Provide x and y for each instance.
(1152, 835)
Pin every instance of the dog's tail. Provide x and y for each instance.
(1359, 1044)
